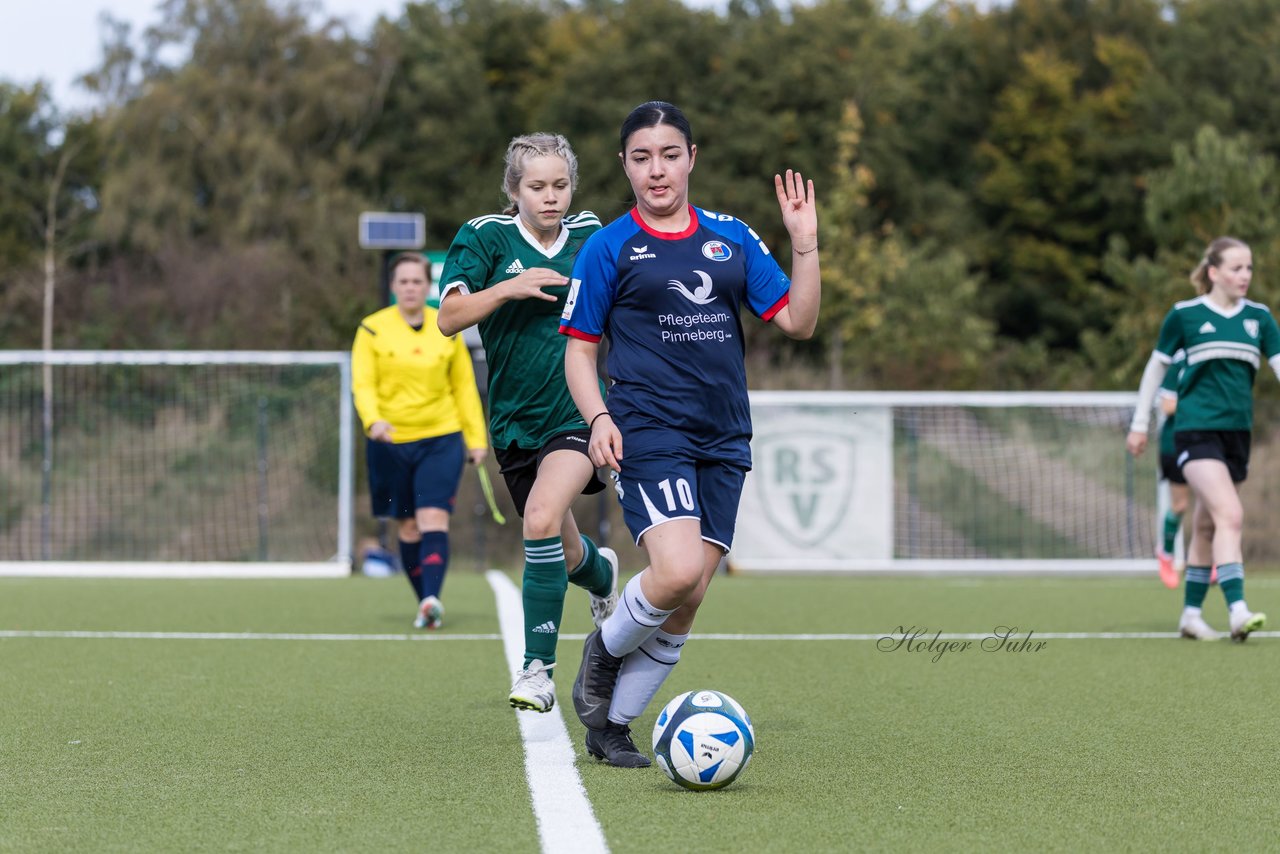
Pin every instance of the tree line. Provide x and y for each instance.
(1010, 197)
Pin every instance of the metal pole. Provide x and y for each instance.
(46, 463)
(1128, 495)
(346, 463)
(263, 508)
(384, 278)
(913, 485)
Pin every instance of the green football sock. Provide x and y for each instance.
(1172, 522)
(1197, 586)
(543, 594)
(1231, 580)
(594, 573)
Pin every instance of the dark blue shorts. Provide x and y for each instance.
(659, 485)
(1229, 446)
(404, 478)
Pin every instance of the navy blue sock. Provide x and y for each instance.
(433, 561)
(409, 560)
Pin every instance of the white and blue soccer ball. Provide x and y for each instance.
(703, 740)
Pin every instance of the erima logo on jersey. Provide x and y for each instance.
(642, 252)
(701, 295)
(516, 268)
(1207, 327)
(1251, 327)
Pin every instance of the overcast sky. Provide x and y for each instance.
(58, 40)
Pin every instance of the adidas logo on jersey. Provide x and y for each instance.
(642, 252)
(547, 628)
(516, 268)
(1207, 327)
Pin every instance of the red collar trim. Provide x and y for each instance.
(667, 235)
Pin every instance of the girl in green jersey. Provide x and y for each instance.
(508, 273)
(1226, 337)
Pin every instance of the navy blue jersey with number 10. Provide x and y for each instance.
(670, 304)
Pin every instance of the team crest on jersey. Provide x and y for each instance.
(716, 250)
(805, 480)
(1251, 327)
(700, 295)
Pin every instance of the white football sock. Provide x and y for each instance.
(634, 621)
(642, 674)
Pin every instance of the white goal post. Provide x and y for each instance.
(192, 464)
(946, 482)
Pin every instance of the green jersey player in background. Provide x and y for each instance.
(1225, 337)
(508, 273)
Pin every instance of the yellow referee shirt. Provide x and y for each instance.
(417, 380)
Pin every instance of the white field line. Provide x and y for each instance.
(199, 569)
(719, 636)
(566, 822)
(240, 636)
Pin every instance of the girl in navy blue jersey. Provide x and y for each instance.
(667, 283)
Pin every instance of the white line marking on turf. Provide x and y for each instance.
(566, 822)
(240, 636)
(719, 636)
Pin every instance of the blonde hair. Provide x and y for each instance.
(530, 145)
(1213, 258)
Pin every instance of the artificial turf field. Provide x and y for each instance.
(258, 735)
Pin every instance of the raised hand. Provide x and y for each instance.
(799, 209)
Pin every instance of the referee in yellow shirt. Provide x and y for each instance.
(415, 392)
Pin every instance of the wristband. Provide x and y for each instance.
(596, 417)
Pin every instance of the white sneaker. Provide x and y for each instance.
(1243, 622)
(533, 689)
(603, 606)
(430, 614)
(1194, 627)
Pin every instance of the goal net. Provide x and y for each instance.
(970, 482)
(175, 463)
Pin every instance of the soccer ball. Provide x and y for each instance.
(703, 740)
